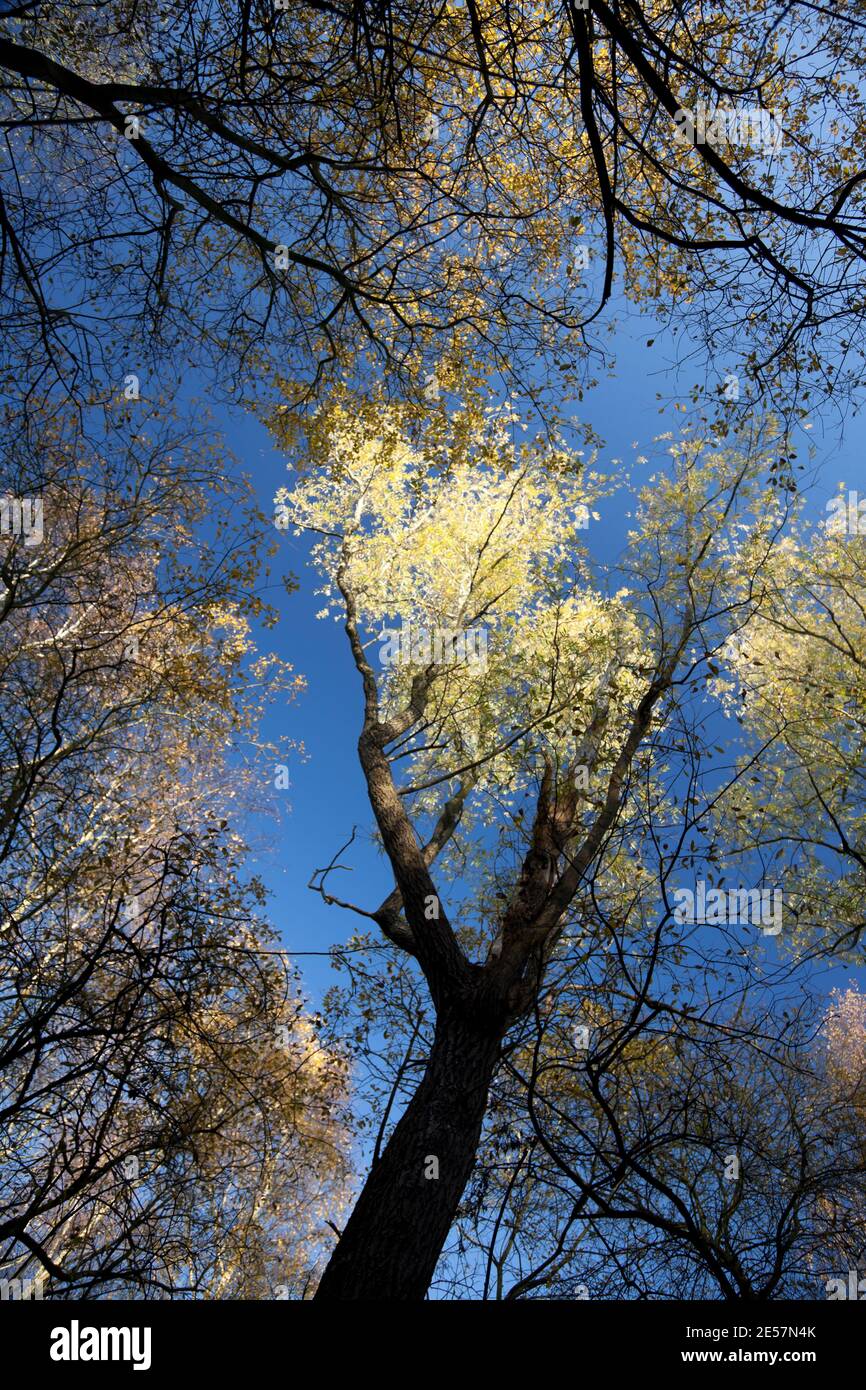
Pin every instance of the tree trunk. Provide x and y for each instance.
(400, 1222)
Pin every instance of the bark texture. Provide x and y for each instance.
(401, 1220)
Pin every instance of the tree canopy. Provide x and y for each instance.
(602, 1033)
(308, 191)
(544, 796)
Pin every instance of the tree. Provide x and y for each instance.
(793, 674)
(843, 1211)
(667, 1123)
(525, 701)
(171, 1121)
(696, 1147)
(384, 209)
(308, 191)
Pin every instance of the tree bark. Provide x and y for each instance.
(400, 1222)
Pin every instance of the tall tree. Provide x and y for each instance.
(519, 696)
(170, 1120)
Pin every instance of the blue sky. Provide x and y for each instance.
(327, 798)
